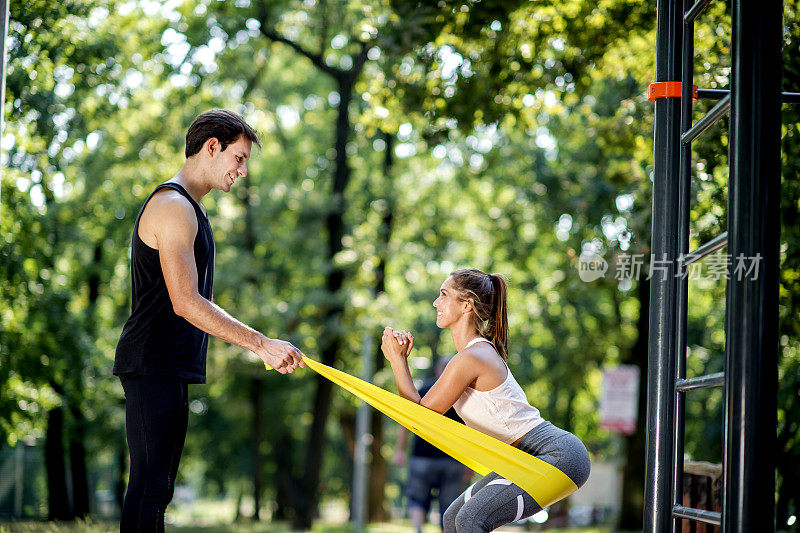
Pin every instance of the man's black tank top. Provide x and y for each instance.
(154, 339)
(422, 448)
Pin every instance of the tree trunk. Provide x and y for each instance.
(75, 395)
(306, 504)
(347, 424)
(249, 242)
(332, 316)
(77, 462)
(345, 80)
(379, 471)
(255, 398)
(569, 416)
(788, 456)
(239, 497)
(57, 498)
(285, 484)
(633, 471)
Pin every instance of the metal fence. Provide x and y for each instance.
(23, 485)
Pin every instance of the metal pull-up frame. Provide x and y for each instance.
(750, 376)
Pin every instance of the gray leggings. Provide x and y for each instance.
(494, 501)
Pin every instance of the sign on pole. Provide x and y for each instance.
(620, 399)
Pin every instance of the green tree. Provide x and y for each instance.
(54, 86)
(400, 141)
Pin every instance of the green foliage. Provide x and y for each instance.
(522, 140)
(789, 362)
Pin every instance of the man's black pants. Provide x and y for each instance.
(156, 417)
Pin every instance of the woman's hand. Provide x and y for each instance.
(405, 338)
(396, 345)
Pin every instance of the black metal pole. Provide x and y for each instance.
(661, 359)
(751, 379)
(682, 294)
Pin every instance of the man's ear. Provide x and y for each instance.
(211, 146)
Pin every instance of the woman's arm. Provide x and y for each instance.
(460, 373)
(396, 349)
(457, 376)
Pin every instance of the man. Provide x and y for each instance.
(163, 344)
(430, 469)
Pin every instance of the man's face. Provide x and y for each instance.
(230, 164)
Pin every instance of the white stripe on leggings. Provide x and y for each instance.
(520, 507)
(499, 481)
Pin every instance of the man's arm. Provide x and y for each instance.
(400, 447)
(174, 227)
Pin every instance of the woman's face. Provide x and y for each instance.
(448, 307)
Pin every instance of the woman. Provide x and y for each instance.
(479, 384)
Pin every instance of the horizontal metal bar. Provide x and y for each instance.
(710, 118)
(701, 515)
(790, 98)
(712, 94)
(700, 382)
(695, 11)
(717, 243)
(719, 94)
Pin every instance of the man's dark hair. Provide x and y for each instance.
(222, 124)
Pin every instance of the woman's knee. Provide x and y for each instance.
(468, 521)
(449, 516)
(579, 464)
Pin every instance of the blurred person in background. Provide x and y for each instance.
(431, 472)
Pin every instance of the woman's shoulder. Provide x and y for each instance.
(484, 363)
(481, 353)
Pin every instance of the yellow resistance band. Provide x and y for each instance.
(478, 451)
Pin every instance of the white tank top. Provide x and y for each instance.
(503, 412)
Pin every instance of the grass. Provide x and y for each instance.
(216, 516)
(108, 527)
(243, 527)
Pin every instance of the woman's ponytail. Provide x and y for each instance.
(488, 294)
(499, 318)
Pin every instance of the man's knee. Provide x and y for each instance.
(158, 490)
